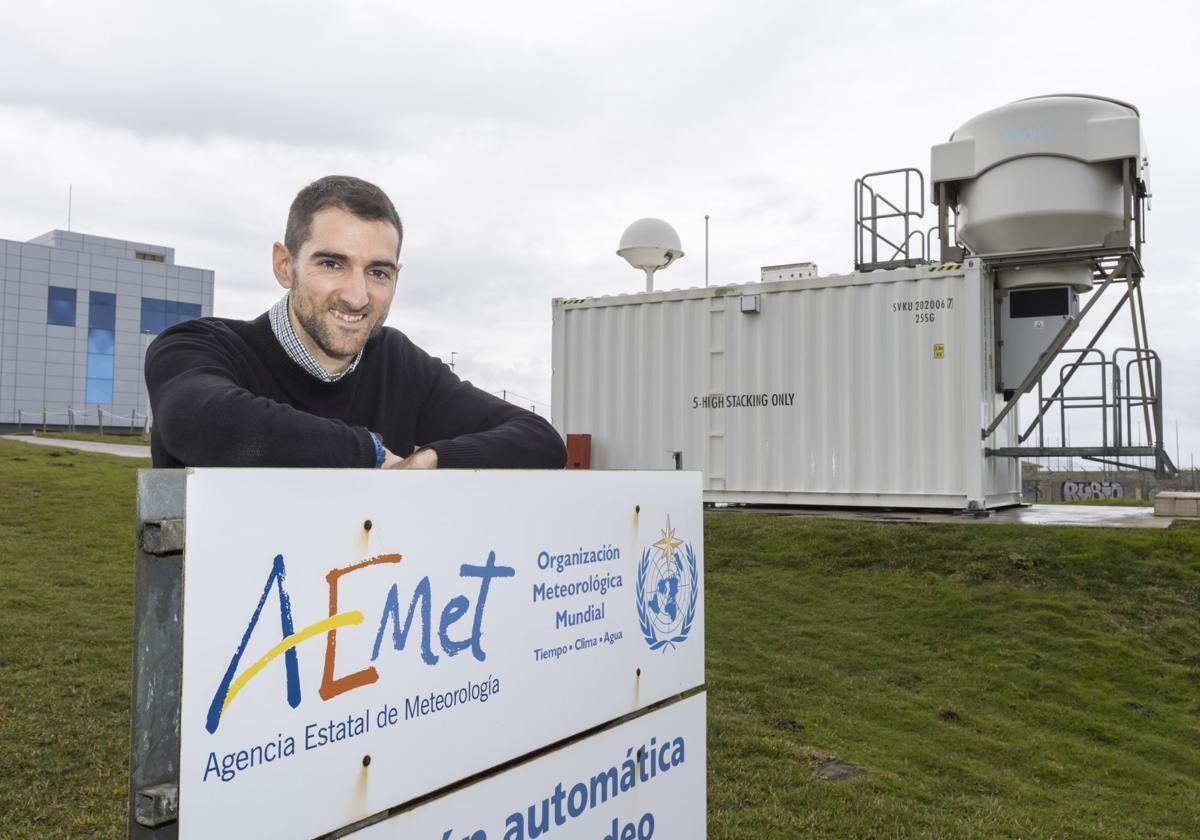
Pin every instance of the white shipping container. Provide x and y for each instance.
(867, 389)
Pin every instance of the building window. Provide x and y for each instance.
(148, 257)
(102, 331)
(157, 314)
(60, 307)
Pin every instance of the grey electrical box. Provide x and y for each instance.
(1029, 321)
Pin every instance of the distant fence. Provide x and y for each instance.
(72, 417)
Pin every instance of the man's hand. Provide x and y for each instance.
(425, 459)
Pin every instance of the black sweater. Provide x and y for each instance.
(225, 394)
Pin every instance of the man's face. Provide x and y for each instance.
(341, 284)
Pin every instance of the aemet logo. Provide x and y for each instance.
(331, 686)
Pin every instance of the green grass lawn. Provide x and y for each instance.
(999, 681)
(66, 624)
(1006, 681)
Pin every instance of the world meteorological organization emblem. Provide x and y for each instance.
(666, 591)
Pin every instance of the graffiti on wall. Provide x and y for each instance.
(1077, 491)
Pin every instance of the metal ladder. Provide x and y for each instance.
(715, 382)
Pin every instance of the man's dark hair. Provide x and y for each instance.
(354, 195)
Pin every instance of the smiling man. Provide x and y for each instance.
(318, 380)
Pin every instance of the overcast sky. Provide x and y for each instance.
(518, 139)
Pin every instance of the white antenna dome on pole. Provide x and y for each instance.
(650, 244)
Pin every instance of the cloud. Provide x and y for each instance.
(351, 74)
(519, 139)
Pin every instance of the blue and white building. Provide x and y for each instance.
(76, 315)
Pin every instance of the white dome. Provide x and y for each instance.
(650, 244)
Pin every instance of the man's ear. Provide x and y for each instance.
(281, 262)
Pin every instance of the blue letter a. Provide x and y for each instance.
(278, 573)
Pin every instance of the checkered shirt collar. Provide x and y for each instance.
(281, 325)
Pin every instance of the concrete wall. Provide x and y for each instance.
(1062, 486)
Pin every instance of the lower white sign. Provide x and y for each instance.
(353, 640)
(643, 779)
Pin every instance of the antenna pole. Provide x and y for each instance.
(705, 249)
(70, 188)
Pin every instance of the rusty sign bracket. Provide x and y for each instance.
(157, 656)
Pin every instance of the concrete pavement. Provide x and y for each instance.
(122, 449)
(1086, 516)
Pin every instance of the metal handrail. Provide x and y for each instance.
(866, 224)
(1085, 400)
(1150, 402)
(929, 237)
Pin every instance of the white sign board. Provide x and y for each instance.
(640, 780)
(353, 640)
